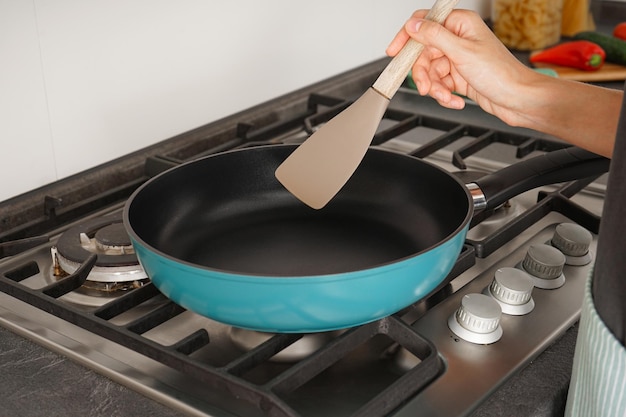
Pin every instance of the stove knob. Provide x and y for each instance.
(545, 265)
(512, 288)
(574, 241)
(477, 320)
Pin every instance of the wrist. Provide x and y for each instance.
(531, 99)
(581, 114)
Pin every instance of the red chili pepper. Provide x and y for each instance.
(580, 54)
(620, 31)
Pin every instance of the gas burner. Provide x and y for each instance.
(247, 340)
(111, 240)
(116, 268)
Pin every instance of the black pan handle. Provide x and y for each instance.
(563, 165)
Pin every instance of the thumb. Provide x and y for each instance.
(432, 34)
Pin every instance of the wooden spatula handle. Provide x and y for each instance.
(396, 71)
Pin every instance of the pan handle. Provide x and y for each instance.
(563, 165)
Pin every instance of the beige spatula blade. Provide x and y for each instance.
(318, 169)
(321, 166)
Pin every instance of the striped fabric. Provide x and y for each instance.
(598, 386)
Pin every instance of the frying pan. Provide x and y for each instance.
(221, 237)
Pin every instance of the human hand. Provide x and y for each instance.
(464, 56)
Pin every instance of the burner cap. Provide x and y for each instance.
(113, 235)
(108, 230)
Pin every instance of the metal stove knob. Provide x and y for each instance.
(545, 265)
(512, 288)
(574, 241)
(477, 320)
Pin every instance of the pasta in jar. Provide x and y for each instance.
(527, 24)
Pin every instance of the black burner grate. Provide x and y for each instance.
(268, 396)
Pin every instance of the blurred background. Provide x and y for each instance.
(84, 82)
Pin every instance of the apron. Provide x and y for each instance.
(598, 386)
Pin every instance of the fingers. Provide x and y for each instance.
(436, 81)
(445, 49)
(422, 79)
(432, 34)
(402, 36)
(445, 96)
(460, 26)
(397, 43)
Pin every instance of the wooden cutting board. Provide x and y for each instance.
(608, 72)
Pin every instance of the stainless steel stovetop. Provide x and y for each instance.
(189, 362)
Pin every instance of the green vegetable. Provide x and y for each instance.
(615, 48)
(410, 82)
(547, 71)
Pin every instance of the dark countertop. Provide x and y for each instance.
(37, 382)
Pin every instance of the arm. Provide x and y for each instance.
(581, 114)
(464, 56)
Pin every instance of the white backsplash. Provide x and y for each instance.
(84, 82)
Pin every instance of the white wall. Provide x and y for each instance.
(85, 81)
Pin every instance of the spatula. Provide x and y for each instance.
(321, 166)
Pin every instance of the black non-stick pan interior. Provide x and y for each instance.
(228, 212)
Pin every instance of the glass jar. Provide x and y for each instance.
(527, 24)
(576, 17)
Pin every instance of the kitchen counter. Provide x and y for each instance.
(37, 382)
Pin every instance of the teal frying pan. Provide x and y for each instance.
(221, 237)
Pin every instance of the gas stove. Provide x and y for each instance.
(69, 279)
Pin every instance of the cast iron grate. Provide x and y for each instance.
(269, 396)
(556, 201)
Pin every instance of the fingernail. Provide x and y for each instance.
(413, 25)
